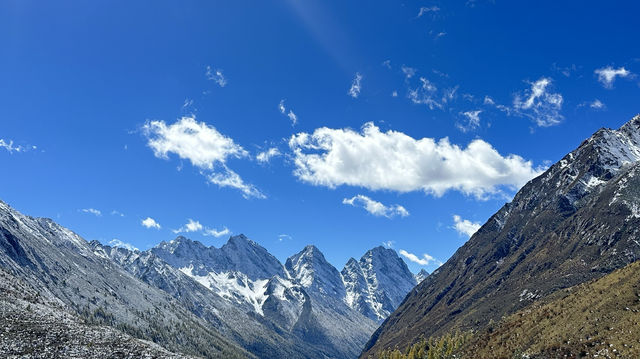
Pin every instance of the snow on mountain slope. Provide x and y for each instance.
(377, 283)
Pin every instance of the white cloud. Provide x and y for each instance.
(394, 94)
(423, 261)
(607, 75)
(354, 91)
(473, 120)
(117, 213)
(465, 226)
(216, 75)
(409, 72)
(539, 104)
(387, 64)
(266, 156)
(9, 146)
(395, 161)
(93, 211)
(187, 103)
(388, 244)
(597, 104)
(428, 9)
(425, 94)
(150, 223)
(195, 226)
(376, 208)
(283, 237)
(118, 243)
(292, 116)
(216, 233)
(190, 226)
(203, 146)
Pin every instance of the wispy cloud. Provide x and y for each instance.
(388, 244)
(284, 237)
(150, 223)
(120, 244)
(607, 75)
(354, 90)
(408, 72)
(427, 9)
(117, 213)
(425, 260)
(464, 226)
(395, 161)
(425, 94)
(473, 120)
(266, 156)
(9, 146)
(291, 115)
(203, 146)
(216, 75)
(195, 226)
(596, 104)
(539, 103)
(93, 211)
(376, 208)
(217, 233)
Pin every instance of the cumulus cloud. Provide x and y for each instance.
(93, 211)
(539, 103)
(266, 156)
(190, 226)
(203, 146)
(395, 161)
(120, 244)
(607, 75)
(216, 75)
(473, 120)
(150, 223)
(354, 90)
(423, 261)
(465, 226)
(376, 208)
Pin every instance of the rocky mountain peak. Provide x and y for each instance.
(310, 268)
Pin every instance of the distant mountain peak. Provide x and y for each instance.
(377, 283)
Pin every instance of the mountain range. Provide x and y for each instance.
(234, 301)
(578, 221)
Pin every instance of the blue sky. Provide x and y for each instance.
(346, 124)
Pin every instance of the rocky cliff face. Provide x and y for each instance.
(577, 221)
(377, 283)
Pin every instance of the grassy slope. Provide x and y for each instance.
(599, 317)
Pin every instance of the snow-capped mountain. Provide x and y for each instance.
(67, 272)
(377, 283)
(238, 297)
(311, 270)
(420, 276)
(577, 221)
